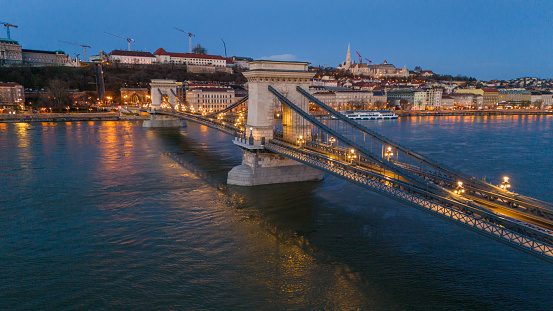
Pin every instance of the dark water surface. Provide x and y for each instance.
(108, 215)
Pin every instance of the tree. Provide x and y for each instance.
(198, 49)
(56, 95)
(417, 69)
(404, 104)
(380, 105)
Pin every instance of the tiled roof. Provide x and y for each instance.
(489, 89)
(10, 84)
(213, 89)
(131, 53)
(161, 51)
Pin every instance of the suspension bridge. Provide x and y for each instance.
(283, 142)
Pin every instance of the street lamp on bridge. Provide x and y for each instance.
(352, 156)
(459, 189)
(505, 184)
(389, 153)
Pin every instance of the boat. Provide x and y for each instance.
(371, 115)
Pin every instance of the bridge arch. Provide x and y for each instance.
(161, 89)
(284, 76)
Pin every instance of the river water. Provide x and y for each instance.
(109, 215)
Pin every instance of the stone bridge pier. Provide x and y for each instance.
(163, 97)
(259, 166)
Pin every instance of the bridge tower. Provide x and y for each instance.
(163, 92)
(259, 166)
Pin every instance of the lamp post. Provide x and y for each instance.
(505, 184)
(389, 153)
(351, 155)
(459, 189)
(300, 141)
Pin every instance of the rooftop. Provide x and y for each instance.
(131, 53)
(161, 51)
(43, 52)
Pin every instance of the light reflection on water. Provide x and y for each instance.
(108, 215)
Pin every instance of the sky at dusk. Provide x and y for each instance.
(484, 39)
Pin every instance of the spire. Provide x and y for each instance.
(348, 58)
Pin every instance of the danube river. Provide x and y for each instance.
(109, 215)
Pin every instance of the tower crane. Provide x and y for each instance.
(190, 35)
(359, 56)
(370, 62)
(8, 25)
(84, 47)
(129, 40)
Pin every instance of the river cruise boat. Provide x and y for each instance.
(371, 115)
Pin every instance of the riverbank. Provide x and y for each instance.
(512, 112)
(69, 117)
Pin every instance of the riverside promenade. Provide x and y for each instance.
(69, 117)
(490, 112)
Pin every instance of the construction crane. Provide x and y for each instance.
(225, 45)
(359, 56)
(129, 40)
(8, 25)
(84, 47)
(370, 62)
(190, 35)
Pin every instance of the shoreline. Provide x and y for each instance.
(109, 116)
(68, 117)
(508, 112)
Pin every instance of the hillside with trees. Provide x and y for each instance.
(115, 76)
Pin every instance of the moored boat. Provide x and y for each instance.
(371, 115)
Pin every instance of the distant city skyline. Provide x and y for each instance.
(482, 39)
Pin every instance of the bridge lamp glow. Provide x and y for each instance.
(505, 184)
(389, 153)
(459, 189)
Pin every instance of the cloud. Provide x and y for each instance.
(281, 57)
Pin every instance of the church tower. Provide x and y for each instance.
(348, 59)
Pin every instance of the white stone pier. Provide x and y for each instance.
(259, 166)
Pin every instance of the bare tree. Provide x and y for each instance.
(198, 49)
(56, 95)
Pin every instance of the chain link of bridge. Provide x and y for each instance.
(283, 142)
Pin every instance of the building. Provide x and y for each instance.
(45, 58)
(470, 91)
(395, 96)
(209, 98)
(10, 52)
(189, 59)
(242, 62)
(419, 99)
(12, 96)
(514, 97)
(541, 100)
(383, 70)
(491, 97)
(132, 57)
(379, 97)
(463, 100)
(325, 81)
(433, 98)
(447, 102)
(341, 98)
